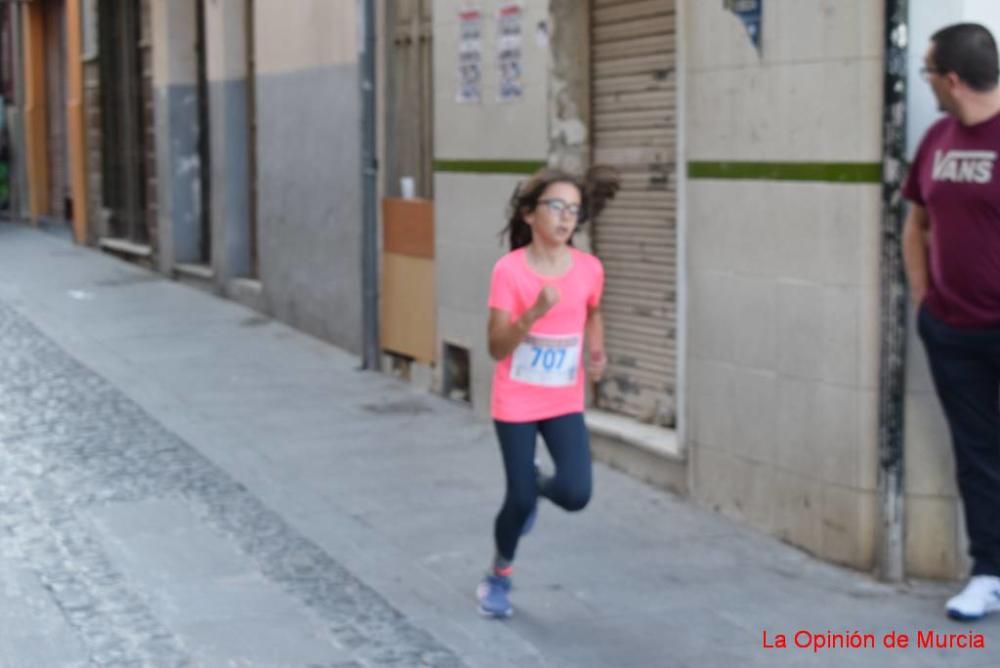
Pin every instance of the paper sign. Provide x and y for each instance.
(509, 61)
(470, 57)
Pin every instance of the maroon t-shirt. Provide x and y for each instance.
(955, 177)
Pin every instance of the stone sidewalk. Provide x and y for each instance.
(185, 482)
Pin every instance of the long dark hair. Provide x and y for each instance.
(596, 187)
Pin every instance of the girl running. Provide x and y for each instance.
(544, 299)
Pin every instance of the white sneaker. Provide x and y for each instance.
(979, 598)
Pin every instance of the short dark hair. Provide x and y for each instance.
(968, 50)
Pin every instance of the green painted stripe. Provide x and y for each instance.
(488, 166)
(836, 172)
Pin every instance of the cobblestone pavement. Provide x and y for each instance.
(79, 456)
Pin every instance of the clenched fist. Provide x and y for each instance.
(547, 298)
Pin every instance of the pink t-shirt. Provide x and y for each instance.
(544, 377)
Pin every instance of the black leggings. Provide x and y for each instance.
(569, 444)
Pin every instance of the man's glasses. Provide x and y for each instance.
(926, 72)
(561, 208)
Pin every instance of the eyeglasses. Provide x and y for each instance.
(926, 72)
(561, 207)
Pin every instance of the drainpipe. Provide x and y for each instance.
(369, 167)
(894, 299)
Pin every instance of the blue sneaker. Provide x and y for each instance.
(492, 594)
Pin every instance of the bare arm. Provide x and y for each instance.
(594, 330)
(505, 335)
(915, 231)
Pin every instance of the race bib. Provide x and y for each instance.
(549, 360)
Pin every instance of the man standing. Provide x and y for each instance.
(951, 246)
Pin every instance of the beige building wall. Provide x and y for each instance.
(308, 141)
(782, 362)
(317, 34)
(499, 138)
(936, 543)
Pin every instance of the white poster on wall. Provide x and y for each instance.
(748, 11)
(509, 61)
(470, 57)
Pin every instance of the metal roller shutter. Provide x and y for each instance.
(634, 128)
